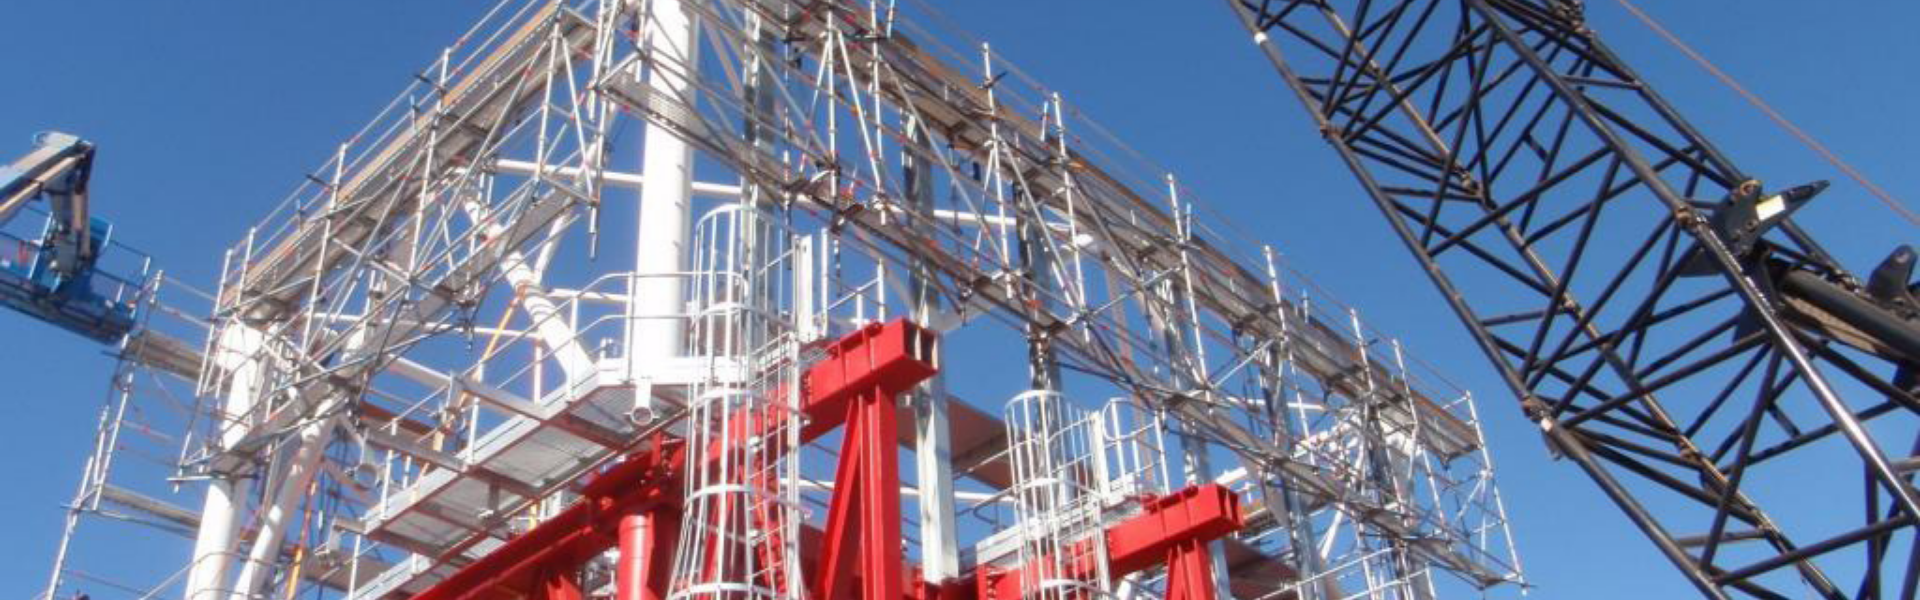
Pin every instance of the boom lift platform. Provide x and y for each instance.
(55, 278)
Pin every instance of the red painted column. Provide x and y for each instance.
(881, 556)
(557, 584)
(646, 553)
(1189, 572)
(857, 385)
(863, 518)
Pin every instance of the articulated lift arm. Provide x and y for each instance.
(58, 168)
(54, 278)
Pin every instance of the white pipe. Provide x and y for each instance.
(553, 331)
(293, 483)
(574, 295)
(424, 375)
(933, 442)
(240, 352)
(654, 331)
(910, 491)
(552, 328)
(334, 318)
(632, 181)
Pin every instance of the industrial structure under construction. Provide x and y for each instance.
(897, 321)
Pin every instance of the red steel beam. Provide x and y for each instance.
(1189, 572)
(1173, 530)
(1203, 512)
(886, 358)
(557, 584)
(646, 481)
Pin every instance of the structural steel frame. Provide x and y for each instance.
(893, 176)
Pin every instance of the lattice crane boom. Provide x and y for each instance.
(1653, 306)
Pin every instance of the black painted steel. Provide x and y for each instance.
(1654, 308)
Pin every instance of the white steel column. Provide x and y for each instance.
(241, 353)
(933, 436)
(213, 545)
(655, 331)
(933, 456)
(292, 482)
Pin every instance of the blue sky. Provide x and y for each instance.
(208, 113)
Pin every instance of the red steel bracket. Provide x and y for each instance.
(1203, 513)
(1173, 530)
(886, 358)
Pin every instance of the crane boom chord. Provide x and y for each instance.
(1654, 308)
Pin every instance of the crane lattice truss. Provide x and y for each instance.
(1657, 314)
(419, 358)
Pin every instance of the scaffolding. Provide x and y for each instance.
(432, 315)
(1060, 484)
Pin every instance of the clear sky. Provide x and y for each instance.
(207, 113)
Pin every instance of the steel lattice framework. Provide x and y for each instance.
(870, 172)
(1657, 314)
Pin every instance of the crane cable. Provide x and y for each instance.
(1892, 203)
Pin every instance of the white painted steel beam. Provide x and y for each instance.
(933, 431)
(619, 179)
